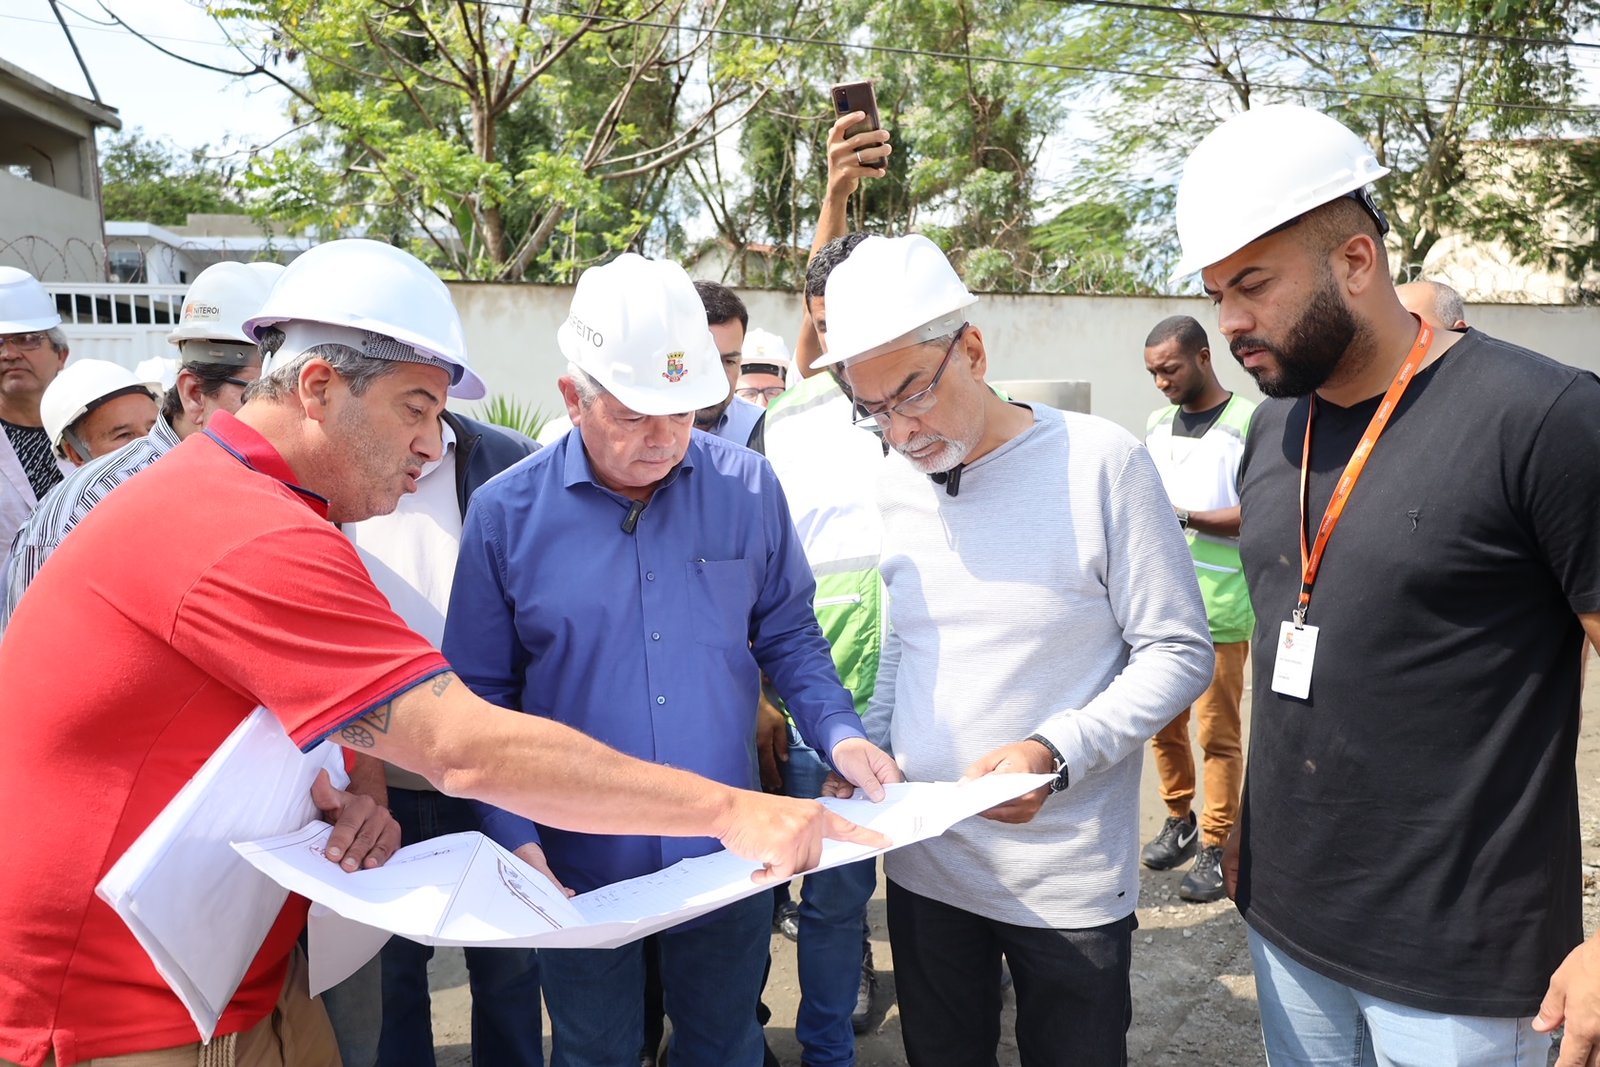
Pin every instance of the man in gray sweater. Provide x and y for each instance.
(1044, 618)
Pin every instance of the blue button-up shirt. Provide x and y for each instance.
(651, 641)
(738, 420)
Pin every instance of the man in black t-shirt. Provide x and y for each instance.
(32, 352)
(1408, 853)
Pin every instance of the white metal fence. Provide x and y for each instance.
(122, 323)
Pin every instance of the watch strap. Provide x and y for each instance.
(1062, 778)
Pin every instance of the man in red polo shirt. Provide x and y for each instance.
(262, 601)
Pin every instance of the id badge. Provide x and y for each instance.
(1297, 650)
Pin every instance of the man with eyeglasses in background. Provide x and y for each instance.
(217, 361)
(1043, 617)
(764, 368)
(32, 352)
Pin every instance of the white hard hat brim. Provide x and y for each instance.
(861, 349)
(32, 325)
(1217, 251)
(470, 387)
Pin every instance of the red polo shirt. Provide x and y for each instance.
(208, 584)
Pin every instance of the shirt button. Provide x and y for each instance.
(656, 636)
(661, 700)
(649, 576)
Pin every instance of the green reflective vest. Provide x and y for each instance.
(1201, 474)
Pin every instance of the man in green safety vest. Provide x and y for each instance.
(1196, 443)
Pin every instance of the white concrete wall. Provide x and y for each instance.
(1099, 339)
(49, 233)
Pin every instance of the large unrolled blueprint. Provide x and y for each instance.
(463, 889)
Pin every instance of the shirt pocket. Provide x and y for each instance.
(722, 594)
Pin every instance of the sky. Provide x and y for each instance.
(165, 97)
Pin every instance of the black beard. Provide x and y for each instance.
(1316, 344)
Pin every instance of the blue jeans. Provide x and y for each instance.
(710, 973)
(355, 1010)
(1308, 1020)
(507, 1027)
(833, 915)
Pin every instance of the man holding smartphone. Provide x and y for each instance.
(827, 468)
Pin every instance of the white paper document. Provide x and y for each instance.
(193, 903)
(464, 889)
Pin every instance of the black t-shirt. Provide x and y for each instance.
(1411, 830)
(1196, 423)
(32, 447)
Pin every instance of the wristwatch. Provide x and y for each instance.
(1060, 764)
(1183, 519)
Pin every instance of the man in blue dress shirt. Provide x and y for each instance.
(633, 581)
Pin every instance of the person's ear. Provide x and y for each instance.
(190, 395)
(316, 387)
(976, 352)
(569, 397)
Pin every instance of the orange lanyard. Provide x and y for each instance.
(1311, 559)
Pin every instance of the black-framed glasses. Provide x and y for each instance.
(770, 392)
(23, 342)
(918, 403)
(240, 382)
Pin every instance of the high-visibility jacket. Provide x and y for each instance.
(1202, 474)
(828, 468)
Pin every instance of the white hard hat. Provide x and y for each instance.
(379, 295)
(638, 327)
(221, 298)
(1255, 172)
(24, 305)
(762, 346)
(160, 370)
(891, 293)
(79, 387)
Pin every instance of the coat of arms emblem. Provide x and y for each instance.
(675, 368)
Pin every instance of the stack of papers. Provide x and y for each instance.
(198, 909)
(464, 889)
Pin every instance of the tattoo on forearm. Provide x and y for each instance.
(360, 734)
(441, 683)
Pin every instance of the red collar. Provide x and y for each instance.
(246, 445)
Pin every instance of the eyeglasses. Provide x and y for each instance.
(240, 382)
(23, 342)
(917, 404)
(771, 392)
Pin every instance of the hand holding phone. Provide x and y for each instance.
(860, 149)
(857, 96)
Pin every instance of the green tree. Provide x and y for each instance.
(501, 141)
(148, 180)
(967, 135)
(1480, 131)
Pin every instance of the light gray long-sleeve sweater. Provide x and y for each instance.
(1054, 595)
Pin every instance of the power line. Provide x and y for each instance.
(96, 26)
(76, 54)
(1013, 61)
(1299, 20)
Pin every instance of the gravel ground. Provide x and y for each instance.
(1194, 999)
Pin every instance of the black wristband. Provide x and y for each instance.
(1062, 778)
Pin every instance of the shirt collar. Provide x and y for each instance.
(575, 464)
(162, 435)
(246, 445)
(447, 436)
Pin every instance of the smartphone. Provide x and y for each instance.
(856, 96)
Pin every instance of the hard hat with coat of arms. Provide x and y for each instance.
(638, 327)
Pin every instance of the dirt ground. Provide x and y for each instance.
(1194, 999)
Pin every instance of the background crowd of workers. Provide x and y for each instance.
(736, 580)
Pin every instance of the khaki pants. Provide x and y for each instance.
(295, 1034)
(1216, 716)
